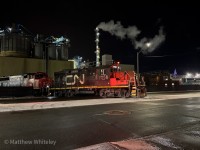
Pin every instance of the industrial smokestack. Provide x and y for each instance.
(97, 47)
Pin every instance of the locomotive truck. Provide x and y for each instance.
(105, 81)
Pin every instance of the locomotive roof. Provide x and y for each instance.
(78, 69)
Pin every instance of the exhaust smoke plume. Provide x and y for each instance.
(147, 45)
(114, 29)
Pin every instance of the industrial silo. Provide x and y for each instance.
(38, 50)
(52, 51)
(15, 44)
(63, 52)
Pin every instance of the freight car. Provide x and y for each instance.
(31, 83)
(105, 81)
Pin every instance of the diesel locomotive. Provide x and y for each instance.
(105, 81)
(36, 83)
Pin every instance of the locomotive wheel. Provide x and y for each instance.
(127, 94)
(102, 93)
(107, 94)
(70, 93)
(59, 93)
(122, 93)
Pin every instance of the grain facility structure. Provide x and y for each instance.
(22, 51)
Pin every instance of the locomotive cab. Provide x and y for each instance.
(41, 83)
(117, 77)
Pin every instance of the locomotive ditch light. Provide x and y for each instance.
(116, 62)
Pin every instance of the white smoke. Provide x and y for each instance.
(114, 29)
(132, 32)
(147, 45)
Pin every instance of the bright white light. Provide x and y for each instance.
(97, 29)
(188, 75)
(148, 44)
(172, 84)
(10, 29)
(197, 75)
(51, 97)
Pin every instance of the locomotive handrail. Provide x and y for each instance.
(128, 75)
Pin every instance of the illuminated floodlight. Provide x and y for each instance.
(10, 29)
(197, 75)
(188, 75)
(148, 44)
(97, 29)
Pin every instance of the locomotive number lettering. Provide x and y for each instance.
(103, 77)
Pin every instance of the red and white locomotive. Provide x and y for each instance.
(105, 81)
(38, 83)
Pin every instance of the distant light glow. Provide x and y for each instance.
(97, 29)
(148, 44)
(51, 97)
(10, 29)
(197, 75)
(188, 75)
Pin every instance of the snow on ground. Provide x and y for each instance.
(165, 142)
(74, 103)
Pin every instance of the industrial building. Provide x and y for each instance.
(22, 51)
(165, 81)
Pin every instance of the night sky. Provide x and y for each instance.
(78, 19)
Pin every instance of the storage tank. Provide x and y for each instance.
(63, 52)
(15, 45)
(52, 51)
(38, 50)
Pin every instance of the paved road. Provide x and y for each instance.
(151, 123)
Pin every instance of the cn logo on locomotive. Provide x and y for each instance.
(71, 79)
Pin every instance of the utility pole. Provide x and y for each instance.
(147, 45)
(138, 71)
(46, 58)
